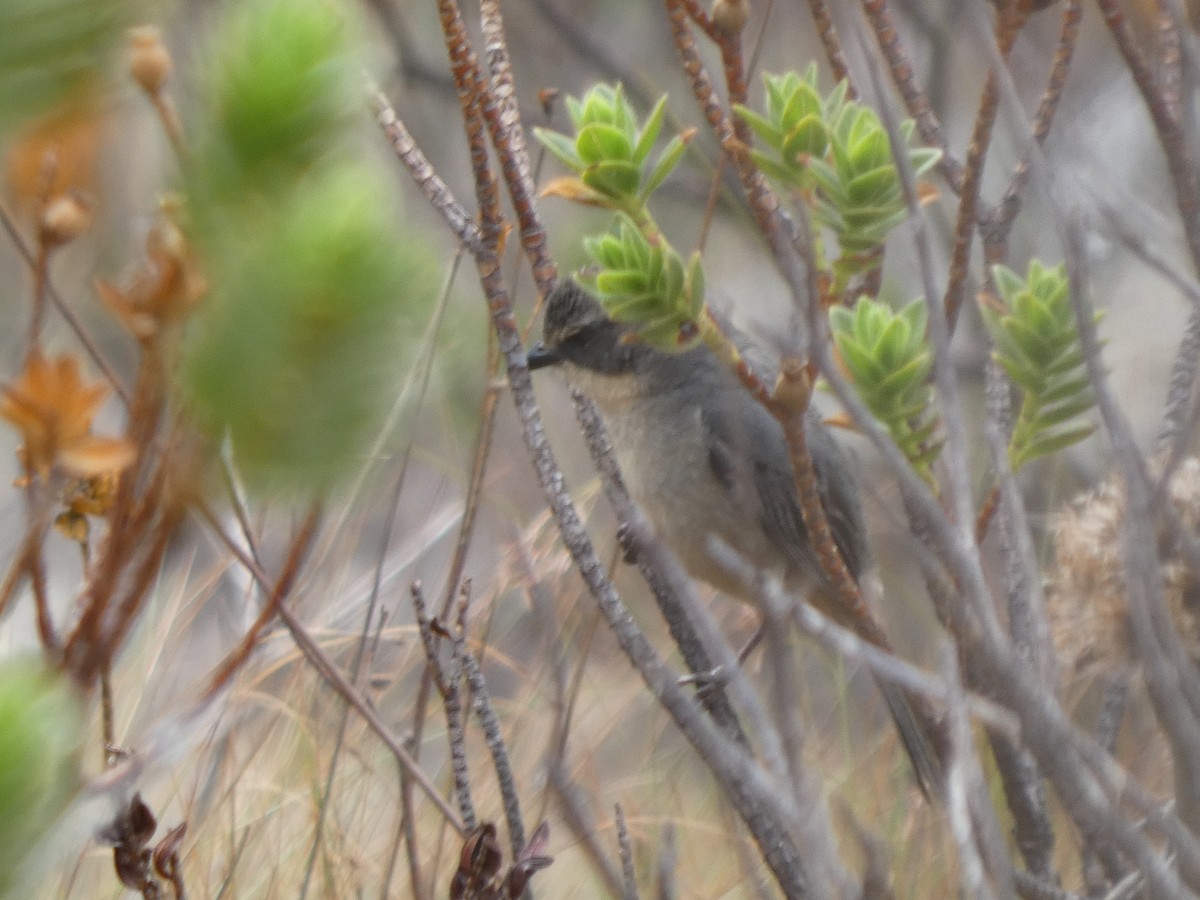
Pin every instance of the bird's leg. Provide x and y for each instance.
(718, 676)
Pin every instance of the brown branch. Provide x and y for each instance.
(972, 178)
(1170, 133)
(995, 230)
(273, 604)
(915, 100)
(827, 32)
(504, 122)
(761, 199)
(1170, 57)
(987, 511)
(449, 685)
(1187, 197)
(440, 197)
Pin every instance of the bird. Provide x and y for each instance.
(710, 466)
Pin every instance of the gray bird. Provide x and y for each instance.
(704, 460)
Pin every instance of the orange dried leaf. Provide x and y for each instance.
(166, 288)
(73, 527)
(92, 496)
(140, 324)
(927, 192)
(570, 188)
(93, 455)
(841, 420)
(53, 409)
(65, 145)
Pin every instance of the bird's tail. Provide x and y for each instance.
(919, 733)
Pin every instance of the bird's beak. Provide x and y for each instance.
(541, 356)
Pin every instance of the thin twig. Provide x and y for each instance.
(827, 32)
(355, 669)
(625, 852)
(972, 180)
(582, 824)
(995, 231)
(272, 605)
(960, 787)
(486, 714)
(85, 339)
(461, 223)
(328, 671)
(903, 77)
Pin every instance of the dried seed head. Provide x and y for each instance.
(65, 218)
(1086, 597)
(149, 61)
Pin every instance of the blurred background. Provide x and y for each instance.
(282, 792)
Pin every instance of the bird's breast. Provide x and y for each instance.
(665, 456)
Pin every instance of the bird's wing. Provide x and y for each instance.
(781, 514)
(839, 495)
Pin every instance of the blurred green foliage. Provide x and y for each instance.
(281, 95)
(55, 50)
(314, 279)
(41, 735)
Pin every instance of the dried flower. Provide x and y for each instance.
(149, 60)
(1086, 600)
(64, 218)
(164, 290)
(55, 155)
(85, 497)
(53, 409)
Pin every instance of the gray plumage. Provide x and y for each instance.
(704, 460)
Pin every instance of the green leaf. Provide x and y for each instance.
(1062, 412)
(809, 138)
(1030, 310)
(673, 276)
(1069, 358)
(1035, 347)
(1050, 443)
(650, 131)
(633, 310)
(599, 143)
(922, 159)
(870, 150)
(908, 376)
(620, 283)
(667, 161)
(841, 320)
(774, 169)
(917, 315)
(1056, 389)
(1023, 376)
(861, 364)
(836, 100)
(766, 132)
(561, 148)
(870, 185)
(1008, 282)
(616, 178)
(803, 103)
